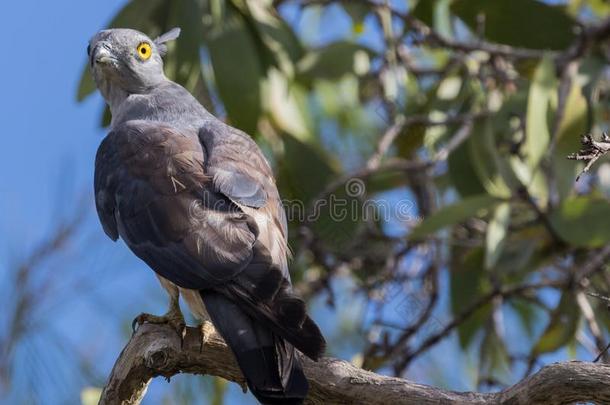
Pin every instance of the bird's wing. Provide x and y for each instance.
(151, 189)
(236, 165)
(241, 173)
(105, 161)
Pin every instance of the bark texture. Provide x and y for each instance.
(156, 350)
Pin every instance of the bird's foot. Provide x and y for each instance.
(173, 318)
(207, 330)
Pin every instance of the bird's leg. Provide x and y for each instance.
(206, 329)
(173, 317)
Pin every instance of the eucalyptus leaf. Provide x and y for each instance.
(468, 281)
(331, 61)
(542, 90)
(278, 38)
(454, 214)
(562, 325)
(492, 168)
(495, 361)
(525, 23)
(583, 221)
(238, 84)
(462, 172)
(496, 234)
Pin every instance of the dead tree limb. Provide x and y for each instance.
(591, 151)
(156, 350)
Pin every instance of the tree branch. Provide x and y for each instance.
(591, 151)
(156, 350)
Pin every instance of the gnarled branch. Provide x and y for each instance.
(156, 350)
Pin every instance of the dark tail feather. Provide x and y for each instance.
(263, 291)
(269, 363)
(285, 314)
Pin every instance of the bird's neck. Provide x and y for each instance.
(168, 102)
(115, 100)
(114, 96)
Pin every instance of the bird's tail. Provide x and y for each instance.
(269, 363)
(264, 293)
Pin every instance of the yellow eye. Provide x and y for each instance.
(144, 50)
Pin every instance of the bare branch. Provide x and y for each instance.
(591, 151)
(589, 314)
(155, 350)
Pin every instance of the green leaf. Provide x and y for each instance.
(435, 13)
(468, 282)
(183, 62)
(562, 325)
(357, 12)
(592, 71)
(527, 313)
(332, 61)
(496, 234)
(449, 88)
(287, 105)
(571, 127)
(442, 18)
(583, 221)
(521, 253)
(524, 23)
(304, 171)
(282, 44)
(454, 214)
(238, 80)
(542, 90)
(495, 360)
(600, 7)
(462, 173)
(424, 11)
(492, 169)
(337, 222)
(141, 15)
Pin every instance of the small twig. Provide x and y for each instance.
(589, 315)
(592, 265)
(504, 292)
(460, 136)
(607, 301)
(599, 356)
(591, 151)
(599, 296)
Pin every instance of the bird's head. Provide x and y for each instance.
(126, 60)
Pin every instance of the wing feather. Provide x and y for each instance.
(238, 168)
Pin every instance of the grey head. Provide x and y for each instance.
(125, 61)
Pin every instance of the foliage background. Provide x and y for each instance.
(413, 99)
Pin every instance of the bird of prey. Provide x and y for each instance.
(196, 200)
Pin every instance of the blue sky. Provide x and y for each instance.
(48, 150)
(49, 140)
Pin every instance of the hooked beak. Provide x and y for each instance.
(102, 54)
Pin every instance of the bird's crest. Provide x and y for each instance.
(168, 36)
